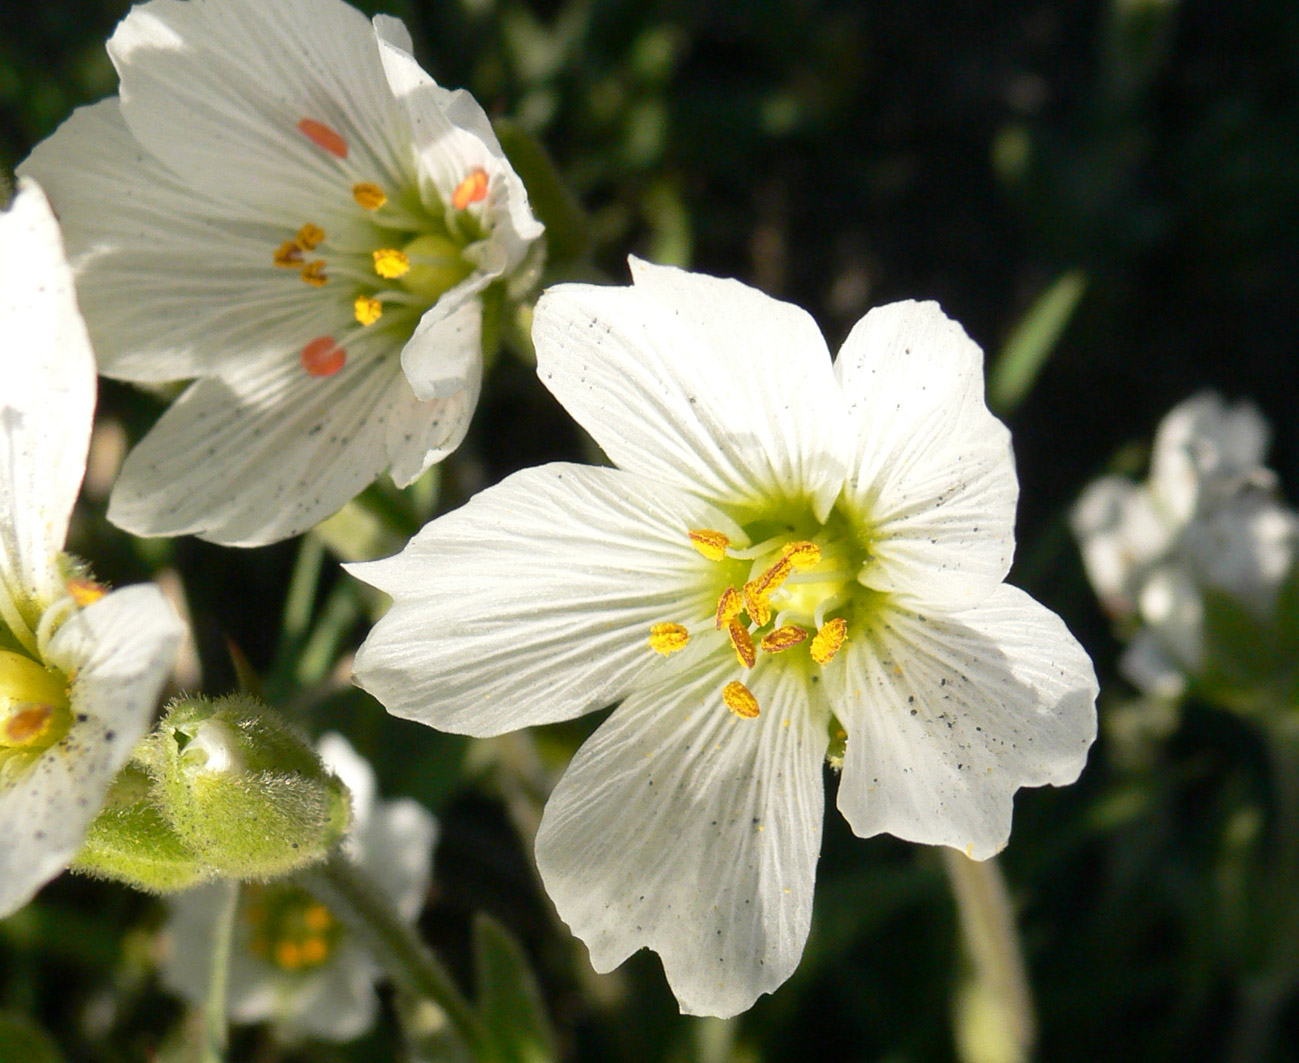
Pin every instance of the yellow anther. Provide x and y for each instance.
(367, 310)
(712, 544)
(668, 638)
(85, 591)
(314, 951)
(742, 642)
(802, 554)
(740, 700)
(756, 604)
(826, 642)
(26, 725)
(369, 196)
(783, 638)
(317, 918)
(775, 576)
(288, 955)
(390, 263)
(288, 255)
(314, 273)
(309, 237)
(729, 606)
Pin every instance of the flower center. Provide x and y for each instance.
(289, 927)
(398, 259)
(793, 593)
(34, 712)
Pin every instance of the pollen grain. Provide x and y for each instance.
(740, 700)
(667, 638)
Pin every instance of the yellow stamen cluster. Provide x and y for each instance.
(34, 711)
(754, 598)
(289, 928)
(85, 591)
(368, 310)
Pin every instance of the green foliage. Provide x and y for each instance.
(509, 998)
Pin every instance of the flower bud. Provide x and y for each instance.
(245, 793)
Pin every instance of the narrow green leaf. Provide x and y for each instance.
(1025, 353)
(508, 997)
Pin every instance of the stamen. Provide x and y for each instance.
(390, 263)
(742, 642)
(369, 196)
(712, 544)
(317, 918)
(802, 554)
(323, 357)
(288, 955)
(28, 723)
(309, 237)
(85, 591)
(783, 638)
(826, 642)
(756, 604)
(668, 638)
(323, 137)
(740, 700)
(473, 189)
(367, 310)
(729, 606)
(288, 255)
(314, 951)
(314, 273)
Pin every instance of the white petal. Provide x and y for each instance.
(948, 715)
(444, 355)
(216, 91)
(119, 650)
(933, 470)
(682, 828)
(701, 382)
(397, 852)
(174, 284)
(453, 137)
(1120, 533)
(1149, 666)
(1203, 446)
(533, 602)
(268, 455)
(47, 398)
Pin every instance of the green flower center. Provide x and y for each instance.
(289, 927)
(792, 592)
(406, 256)
(34, 711)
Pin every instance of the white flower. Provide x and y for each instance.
(811, 547)
(80, 671)
(292, 962)
(1207, 518)
(283, 205)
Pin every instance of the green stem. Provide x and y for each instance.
(216, 1024)
(1003, 1027)
(354, 898)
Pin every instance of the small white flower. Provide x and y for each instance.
(1207, 518)
(292, 962)
(80, 671)
(283, 205)
(789, 551)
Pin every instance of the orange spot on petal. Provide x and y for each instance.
(323, 137)
(473, 189)
(323, 357)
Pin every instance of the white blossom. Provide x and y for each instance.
(1207, 518)
(284, 208)
(790, 551)
(80, 670)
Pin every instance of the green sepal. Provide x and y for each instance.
(130, 841)
(244, 791)
(21, 1040)
(509, 999)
